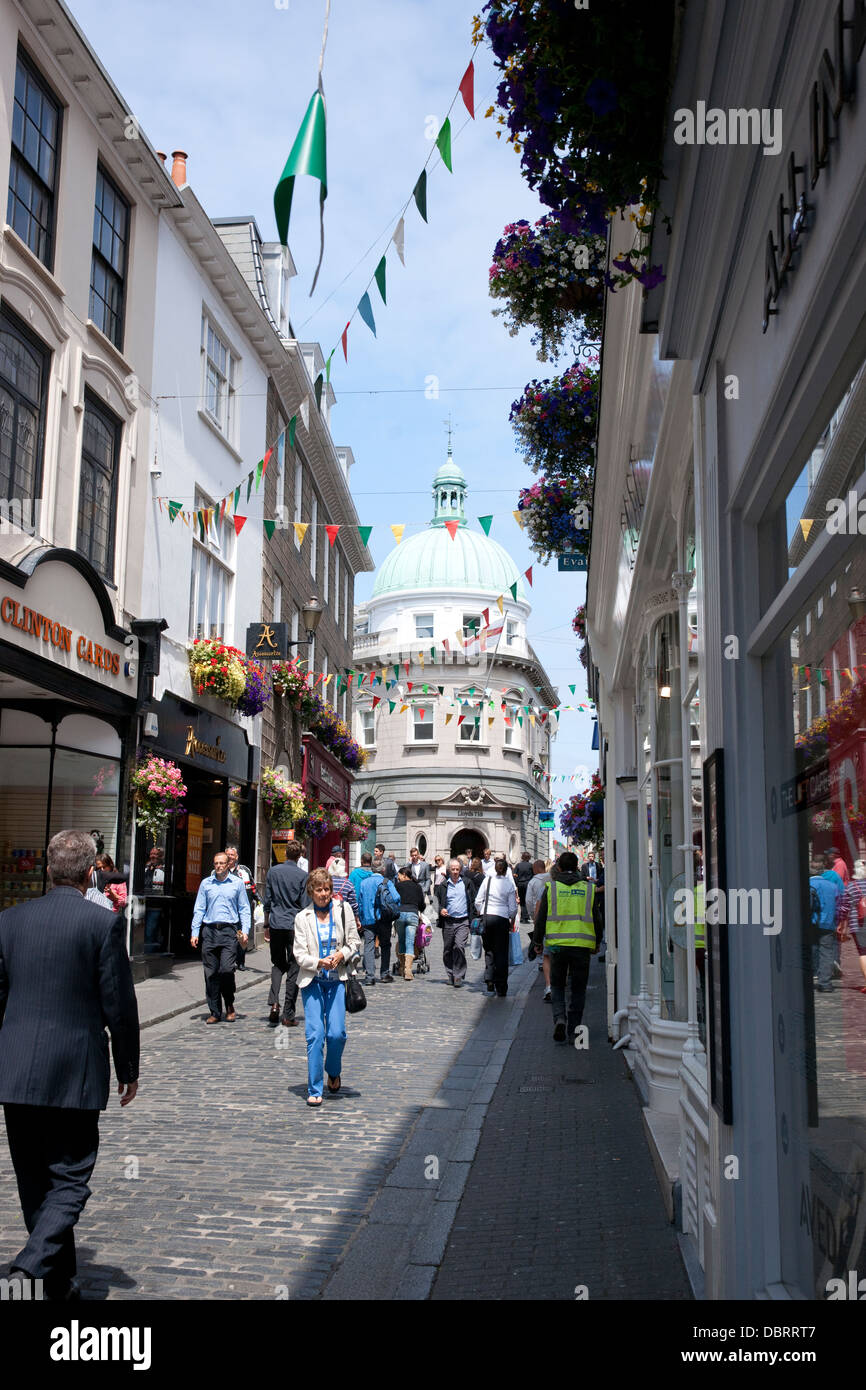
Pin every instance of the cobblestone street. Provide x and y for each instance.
(219, 1183)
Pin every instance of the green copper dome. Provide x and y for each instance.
(470, 562)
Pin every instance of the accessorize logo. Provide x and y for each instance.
(206, 750)
(736, 126)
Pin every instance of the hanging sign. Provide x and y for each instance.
(571, 562)
(268, 641)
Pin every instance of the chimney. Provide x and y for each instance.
(161, 155)
(178, 167)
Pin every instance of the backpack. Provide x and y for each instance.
(815, 906)
(385, 907)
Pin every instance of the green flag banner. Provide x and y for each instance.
(307, 156)
(259, 471)
(443, 144)
(173, 509)
(513, 589)
(419, 193)
(249, 486)
(379, 273)
(269, 528)
(392, 705)
(293, 425)
(485, 523)
(364, 533)
(328, 365)
(237, 499)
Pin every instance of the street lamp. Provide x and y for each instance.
(311, 613)
(857, 603)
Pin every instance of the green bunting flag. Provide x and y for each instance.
(392, 705)
(443, 144)
(249, 486)
(513, 589)
(173, 509)
(485, 523)
(365, 309)
(293, 425)
(317, 391)
(307, 156)
(419, 193)
(396, 672)
(237, 499)
(572, 689)
(364, 533)
(379, 273)
(259, 471)
(269, 528)
(328, 365)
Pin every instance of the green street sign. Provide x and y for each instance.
(571, 562)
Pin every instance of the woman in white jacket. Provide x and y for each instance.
(326, 940)
(496, 905)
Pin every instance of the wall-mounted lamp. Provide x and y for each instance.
(857, 603)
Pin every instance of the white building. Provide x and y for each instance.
(454, 771)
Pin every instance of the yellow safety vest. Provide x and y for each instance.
(569, 914)
(700, 920)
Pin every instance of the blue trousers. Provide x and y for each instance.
(325, 1025)
(407, 925)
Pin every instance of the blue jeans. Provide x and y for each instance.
(325, 1025)
(407, 925)
(823, 956)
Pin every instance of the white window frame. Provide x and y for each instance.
(280, 452)
(213, 562)
(517, 741)
(367, 728)
(314, 532)
(277, 603)
(299, 489)
(420, 621)
(337, 585)
(417, 723)
(222, 371)
(510, 631)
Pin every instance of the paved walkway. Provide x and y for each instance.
(562, 1200)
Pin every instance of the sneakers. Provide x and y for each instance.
(559, 1031)
(546, 995)
(386, 979)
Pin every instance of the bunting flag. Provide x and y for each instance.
(419, 193)
(379, 276)
(260, 468)
(485, 613)
(364, 533)
(173, 509)
(317, 391)
(377, 699)
(512, 588)
(223, 510)
(451, 528)
(305, 413)
(269, 528)
(267, 458)
(572, 689)
(399, 240)
(421, 659)
(467, 88)
(421, 711)
(293, 426)
(448, 718)
(398, 530)
(403, 709)
(237, 499)
(392, 705)
(331, 534)
(460, 719)
(239, 524)
(249, 486)
(301, 529)
(806, 526)
(489, 721)
(307, 156)
(344, 339)
(446, 646)
(485, 523)
(443, 144)
(527, 574)
(518, 517)
(365, 309)
(501, 604)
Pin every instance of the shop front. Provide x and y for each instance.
(325, 779)
(220, 770)
(68, 687)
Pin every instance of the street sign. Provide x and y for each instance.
(546, 820)
(571, 562)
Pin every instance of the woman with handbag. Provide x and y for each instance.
(326, 941)
(496, 905)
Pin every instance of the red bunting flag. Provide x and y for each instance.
(460, 720)
(332, 533)
(467, 89)
(223, 509)
(528, 574)
(446, 646)
(344, 336)
(409, 684)
(485, 613)
(406, 664)
(266, 460)
(239, 524)
(451, 528)
(421, 711)
(377, 700)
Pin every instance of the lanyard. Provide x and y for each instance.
(330, 927)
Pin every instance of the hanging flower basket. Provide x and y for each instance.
(555, 422)
(217, 670)
(578, 623)
(338, 821)
(583, 817)
(359, 826)
(840, 719)
(551, 281)
(313, 821)
(553, 513)
(334, 734)
(283, 801)
(159, 791)
(256, 692)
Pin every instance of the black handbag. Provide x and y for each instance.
(356, 999)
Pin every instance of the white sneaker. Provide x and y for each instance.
(546, 994)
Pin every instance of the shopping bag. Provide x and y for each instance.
(476, 947)
(515, 950)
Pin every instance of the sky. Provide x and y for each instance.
(228, 81)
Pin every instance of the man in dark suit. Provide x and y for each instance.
(420, 871)
(64, 978)
(285, 896)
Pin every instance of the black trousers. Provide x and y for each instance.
(568, 961)
(219, 953)
(521, 898)
(283, 963)
(494, 939)
(53, 1152)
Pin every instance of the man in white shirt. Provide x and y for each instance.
(488, 863)
(304, 864)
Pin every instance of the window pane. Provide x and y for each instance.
(422, 716)
(35, 130)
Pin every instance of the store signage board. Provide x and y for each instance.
(56, 616)
(717, 974)
(568, 563)
(268, 641)
(546, 820)
(332, 783)
(201, 738)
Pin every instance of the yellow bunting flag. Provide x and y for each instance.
(421, 659)
(532, 719)
(398, 530)
(501, 604)
(448, 718)
(518, 517)
(489, 721)
(806, 526)
(301, 528)
(326, 682)
(403, 709)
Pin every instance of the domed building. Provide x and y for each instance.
(461, 762)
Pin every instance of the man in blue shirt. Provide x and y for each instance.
(826, 890)
(221, 910)
(456, 898)
(368, 884)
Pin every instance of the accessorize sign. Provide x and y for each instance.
(56, 616)
(267, 641)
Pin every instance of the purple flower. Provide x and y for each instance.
(600, 96)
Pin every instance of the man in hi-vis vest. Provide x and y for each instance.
(566, 925)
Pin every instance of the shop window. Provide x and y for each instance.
(108, 264)
(422, 723)
(669, 814)
(218, 367)
(36, 119)
(97, 492)
(23, 385)
(424, 627)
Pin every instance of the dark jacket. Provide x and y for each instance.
(411, 895)
(523, 873)
(541, 917)
(285, 895)
(64, 978)
(421, 874)
(441, 892)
